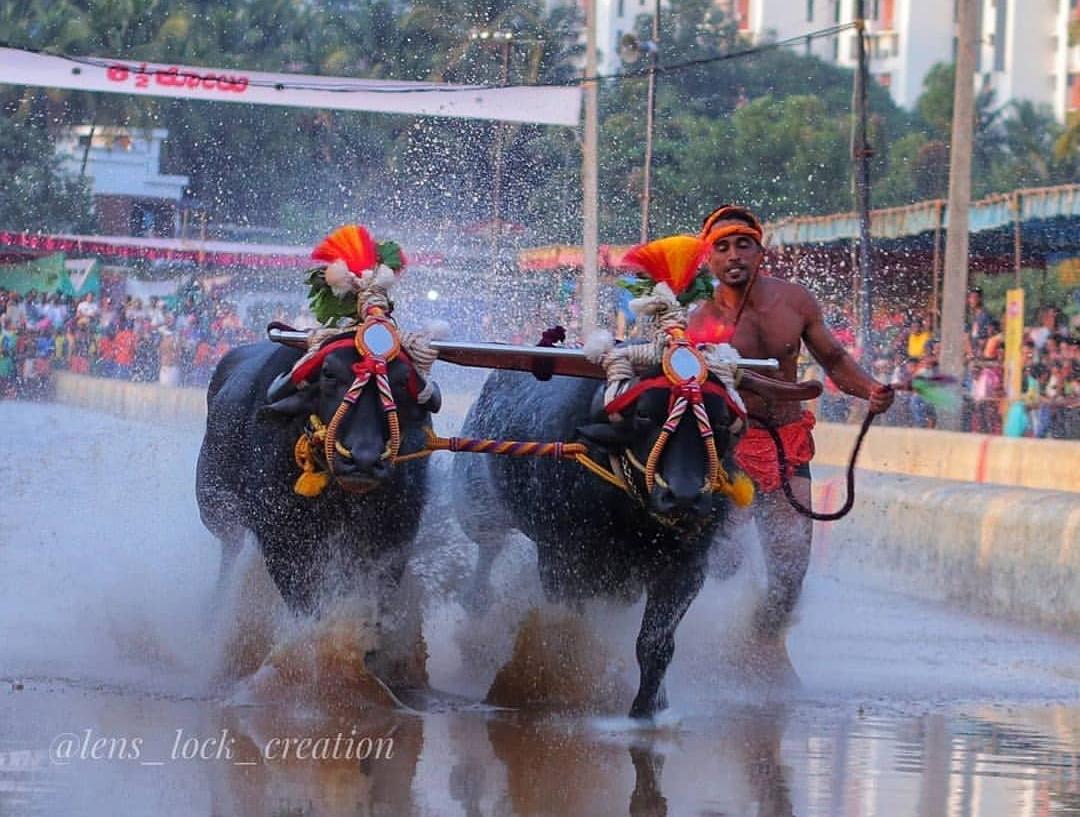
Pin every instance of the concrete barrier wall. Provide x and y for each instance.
(1048, 464)
(1010, 551)
(148, 402)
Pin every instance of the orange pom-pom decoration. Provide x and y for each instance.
(674, 260)
(351, 244)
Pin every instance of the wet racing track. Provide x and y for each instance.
(116, 697)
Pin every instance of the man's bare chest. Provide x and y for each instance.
(772, 332)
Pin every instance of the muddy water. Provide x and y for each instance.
(127, 687)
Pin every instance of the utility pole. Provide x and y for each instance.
(590, 180)
(954, 289)
(650, 118)
(860, 154)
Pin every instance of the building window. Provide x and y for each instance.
(809, 11)
(875, 10)
(622, 11)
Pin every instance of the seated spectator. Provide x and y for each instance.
(917, 338)
(1038, 406)
(87, 312)
(124, 345)
(83, 350)
(987, 391)
(15, 312)
(8, 342)
(923, 413)
(169, 353)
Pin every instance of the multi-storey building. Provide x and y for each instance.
(1030, 49)
(131, 195)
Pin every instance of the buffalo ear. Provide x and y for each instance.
(604, 436)
(301, 402)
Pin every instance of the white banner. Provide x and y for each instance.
(544, 105)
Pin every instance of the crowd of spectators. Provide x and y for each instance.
(1049, 403)
(179, 342)
(128, 339)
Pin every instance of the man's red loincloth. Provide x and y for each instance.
(756, 451)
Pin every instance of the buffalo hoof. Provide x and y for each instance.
(402, 671)
(645, 708)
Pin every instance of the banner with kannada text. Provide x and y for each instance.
(545, 105)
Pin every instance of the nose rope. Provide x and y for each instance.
(364, 370)
(687, 395)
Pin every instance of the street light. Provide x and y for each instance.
(630, 51)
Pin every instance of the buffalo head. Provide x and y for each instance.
(340, 387)
(671, 433)
(631, 428)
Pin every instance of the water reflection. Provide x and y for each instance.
(807, 759)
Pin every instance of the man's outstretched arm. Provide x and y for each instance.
(848, 375)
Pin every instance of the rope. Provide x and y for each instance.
(785, 484)
(578, 452)
(417, 346)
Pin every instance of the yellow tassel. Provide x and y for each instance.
(741, 490)
(311, 483)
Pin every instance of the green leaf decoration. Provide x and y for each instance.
(700, 289)
(315, 275)
(637, 286)
(389, 253)
(328, 308)
(324, 304)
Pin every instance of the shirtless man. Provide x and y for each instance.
(773, 318)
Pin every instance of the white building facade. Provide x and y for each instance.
(1030, 49)
(131, 195)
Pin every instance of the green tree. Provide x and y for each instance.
(37, 195)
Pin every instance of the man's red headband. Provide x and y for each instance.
(727, 230)
(738, 214)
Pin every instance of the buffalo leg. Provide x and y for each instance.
(669, 597)
(291, 566)
(785, 540)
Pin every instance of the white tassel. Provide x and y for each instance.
(660, 300)
(598, 344)
(437, 329)
(384, 277)
(341, 281)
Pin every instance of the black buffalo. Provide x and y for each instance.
(367, 516)
(594, 539)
